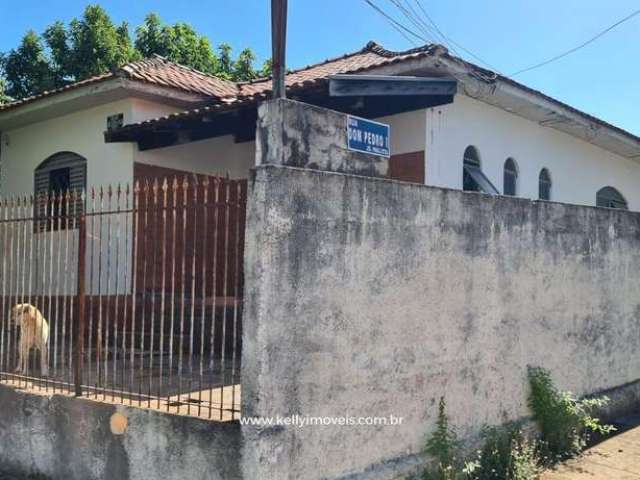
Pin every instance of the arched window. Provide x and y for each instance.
(611, 198)
(58, 174)
(510, 177)
(544, 185)
(473, 179)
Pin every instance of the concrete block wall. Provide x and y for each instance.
(301, 135)
(63, 437)
(370, 297)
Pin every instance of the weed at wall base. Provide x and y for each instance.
(507, 454)
(565, 423)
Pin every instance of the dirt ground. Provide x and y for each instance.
(615, 459)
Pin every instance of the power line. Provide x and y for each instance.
(450, 40)
(428, 17)
(394, 21)
(401, 32)
(415, 20)
(582, 45)
(428, 31)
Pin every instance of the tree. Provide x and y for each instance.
(225, 62)
(97, 46)
(4, 98)
(26, 68)
(55, 36)
(94, 45)
(243, 66)
(267, 68)
(151, 38)
(179, 43)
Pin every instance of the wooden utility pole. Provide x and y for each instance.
(278, 46)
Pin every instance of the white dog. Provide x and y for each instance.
(34, 333)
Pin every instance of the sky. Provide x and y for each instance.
(602, 79)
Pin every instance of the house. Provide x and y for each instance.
(154, 118)
(359, 296)
(163, 269)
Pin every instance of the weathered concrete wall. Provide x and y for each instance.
(370, 297)
(67, 438)
(302, 135)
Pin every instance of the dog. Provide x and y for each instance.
(34, 333)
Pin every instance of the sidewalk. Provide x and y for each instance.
(615, 459)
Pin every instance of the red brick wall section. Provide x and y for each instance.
(408, 167)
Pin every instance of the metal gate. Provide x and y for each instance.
(127, 295)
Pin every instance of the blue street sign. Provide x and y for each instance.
(368, 137)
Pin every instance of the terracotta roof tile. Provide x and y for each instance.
(160, 71)
(156, 70)
(224, 94)
(372, 55)
(48, 93)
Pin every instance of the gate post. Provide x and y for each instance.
(81, 294)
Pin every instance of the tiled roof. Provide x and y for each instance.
(160, 71)
(48, 93)
(224, 94)
(156, 70)
(372, 55)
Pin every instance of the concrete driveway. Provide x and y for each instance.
(615, 459)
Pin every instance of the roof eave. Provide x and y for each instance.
(503, 92)
(106, 90)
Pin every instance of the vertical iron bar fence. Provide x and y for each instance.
(127, 294)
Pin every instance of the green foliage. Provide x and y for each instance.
(526, 463)
(243, 68)
(495, 456)
(60, 61)
(444, 442)
(565, 422)
(4, 98)
(226, 63)
(26, 68)
(94, 45)
(444, 448)
(266, 69)
(179, 43)
(507, 454)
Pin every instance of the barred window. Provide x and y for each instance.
(60, 173)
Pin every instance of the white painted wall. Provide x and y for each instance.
(214, 156)
(144, 110)
(578, 169)
(25, 148)
(407, 131)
